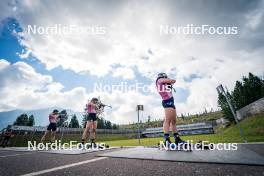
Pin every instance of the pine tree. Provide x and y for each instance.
(108, 125)
(31, 120)
(74, 123)
(225, 108)
(84, 120)
(182, 116)
(22, 120)
(249, 90)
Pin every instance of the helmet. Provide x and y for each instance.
(95, 99)
(63, 112)
(162, 75)
(55, 111)
(63, 115)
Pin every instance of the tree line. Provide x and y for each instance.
(101, 123)
(248, 90)
(25, 120)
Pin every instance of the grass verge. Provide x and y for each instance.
(253, 129)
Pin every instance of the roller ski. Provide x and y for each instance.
(181, 144)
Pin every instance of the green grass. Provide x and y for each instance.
(210, 116)
(20, 140)
(253, 129)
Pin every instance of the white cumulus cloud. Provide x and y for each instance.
(132, 29)
(125, 73)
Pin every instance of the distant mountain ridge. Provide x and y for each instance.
(41, 116)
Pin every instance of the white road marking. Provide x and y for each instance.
(3, 156)
(63, 167)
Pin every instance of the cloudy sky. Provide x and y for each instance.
(125, 44)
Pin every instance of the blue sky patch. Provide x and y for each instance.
(10, 47)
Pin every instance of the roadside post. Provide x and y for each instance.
(221, 90)
(139, 108)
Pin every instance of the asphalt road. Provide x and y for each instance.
(19, 163)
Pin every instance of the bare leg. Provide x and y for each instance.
(86, 132)
(53, 136)
(173, 122)
(94, 123)
(173, 126)
(170, 117)
(90, 124)
(44, 136)
(166, 125)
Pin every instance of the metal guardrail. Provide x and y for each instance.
(196, 128)
(15, 128)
